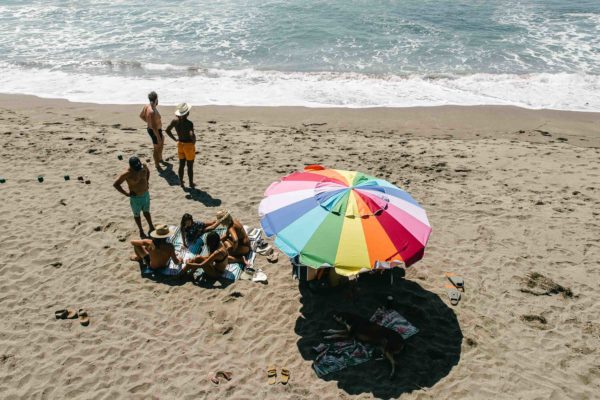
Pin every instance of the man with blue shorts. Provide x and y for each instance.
(137, 177)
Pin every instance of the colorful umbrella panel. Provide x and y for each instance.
(343, 219)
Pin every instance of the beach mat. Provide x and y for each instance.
(336, 356)
(231, 273)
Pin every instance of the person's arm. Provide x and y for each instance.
(193, 136)
(141, 242)
(170, 128)
(209, 260)
(233, 234)
(143, 115)
(210, 226)
(174, 257)
(119, 182)
(147, 173)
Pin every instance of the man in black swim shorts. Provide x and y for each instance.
(151, 116)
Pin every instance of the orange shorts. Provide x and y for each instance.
(186, 151)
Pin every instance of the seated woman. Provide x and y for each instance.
(215, 263)
(190, 230)
(156, 252)
(235, 239)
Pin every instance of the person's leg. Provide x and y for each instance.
(140, 253)
(157, 155)
(144, 206)
(149, 219)
(181, 168)
(190, 167)
(138, 222)
(195, 260)
(161, 143)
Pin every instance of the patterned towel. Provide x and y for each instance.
(336, 356)
(232, 272)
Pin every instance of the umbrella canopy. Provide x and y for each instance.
(344, 219)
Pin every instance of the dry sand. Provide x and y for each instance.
(507, 191)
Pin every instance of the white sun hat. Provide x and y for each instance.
(182, 109)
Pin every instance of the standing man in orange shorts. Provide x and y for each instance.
(186, 141)
(151, 116)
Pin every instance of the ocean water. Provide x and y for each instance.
(351, 53)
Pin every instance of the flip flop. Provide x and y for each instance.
(285, 376)
(67, 313)
(84, 319)
(273, 257)
(213, 378)
(259, 276)
(272, 375)
(263, 248)
(457, 281)
(454, 296)
(224, 374)
(247, 274)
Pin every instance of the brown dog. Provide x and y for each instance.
(389, 341)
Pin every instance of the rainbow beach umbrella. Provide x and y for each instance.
(344, 219)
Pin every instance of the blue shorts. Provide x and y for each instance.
(140, 203)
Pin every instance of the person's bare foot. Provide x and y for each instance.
(143, 235)
(192, 185)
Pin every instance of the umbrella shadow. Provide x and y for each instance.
(428, 356)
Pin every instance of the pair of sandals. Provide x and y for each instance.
(272, 375)
(264, 249)
(69, 313)
(454, 290)
(214, 377)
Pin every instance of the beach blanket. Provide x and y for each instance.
(336, 356)
(232, 272)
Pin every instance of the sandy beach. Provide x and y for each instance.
(508, 192)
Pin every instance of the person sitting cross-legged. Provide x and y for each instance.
(214, 264)
(156, 252)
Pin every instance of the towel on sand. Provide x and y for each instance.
(232, 272)
(336, 356)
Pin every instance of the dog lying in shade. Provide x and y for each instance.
(390, 342)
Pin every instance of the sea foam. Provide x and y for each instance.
(561, 91)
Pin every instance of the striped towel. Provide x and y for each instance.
(232, 272)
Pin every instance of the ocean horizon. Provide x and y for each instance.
(532, 54)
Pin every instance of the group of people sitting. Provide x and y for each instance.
(230, 247)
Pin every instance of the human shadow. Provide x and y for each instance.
(175, 280)
(169, 175)
(428, 356)
(202, 196)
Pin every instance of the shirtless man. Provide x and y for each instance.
(151, 117)
(137, 177)
(186, 141)
(156, 252)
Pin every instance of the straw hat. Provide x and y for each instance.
(161, 232)
(223, 216)
(182, 109)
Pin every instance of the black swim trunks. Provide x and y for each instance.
(153, 136)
